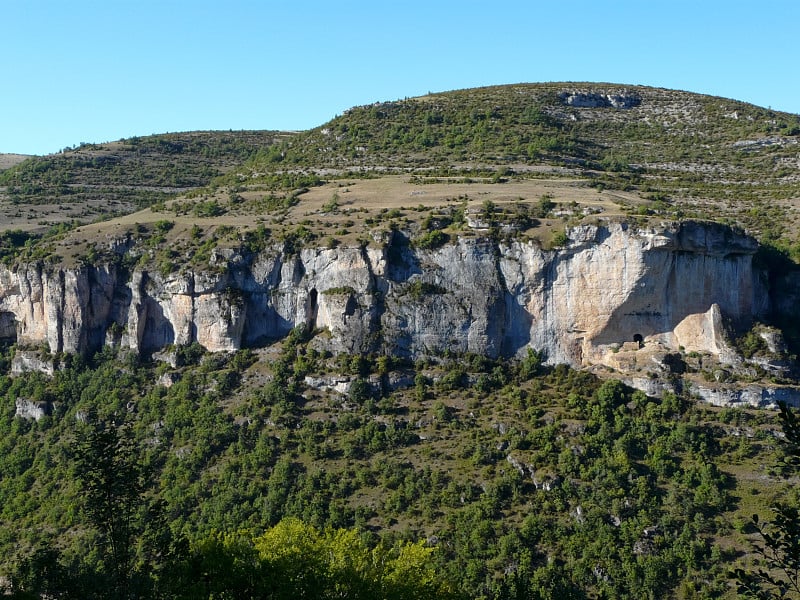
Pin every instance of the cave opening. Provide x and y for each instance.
(639, 339)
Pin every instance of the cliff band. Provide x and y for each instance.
(610, 289)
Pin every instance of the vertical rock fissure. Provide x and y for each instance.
(61, 311)
(506, 323)
(193, 337)
(312, 307)
(377, 289)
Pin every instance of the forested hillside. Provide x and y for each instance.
(518, 480)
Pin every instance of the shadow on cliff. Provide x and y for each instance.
(784, 291)
(517, 330)
(158, 330)
(693, 283)
(401, 260)
(8, 328)
(517, 321)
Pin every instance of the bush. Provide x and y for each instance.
(544, 206)
(560, 239)
(431, 240)
(164, 226)
(418, 289)
(360, 391)
(208, 209)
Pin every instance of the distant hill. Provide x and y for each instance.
(99, 181)
(9, 160)
(597, 126)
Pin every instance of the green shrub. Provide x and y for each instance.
(431, 240)
(418, 289)
(164, 226)
(560, 239)
(208, 209)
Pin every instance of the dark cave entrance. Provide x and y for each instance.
(639, 339)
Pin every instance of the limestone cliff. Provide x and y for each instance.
(583, 304)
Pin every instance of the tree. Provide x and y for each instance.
(778, 566)
(43, 574)
(530, 365)
(111, 486)
(222, 565)
(112, 483)
(337, 563)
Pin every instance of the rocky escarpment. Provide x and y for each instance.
(587, 303)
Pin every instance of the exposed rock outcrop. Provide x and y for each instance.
(595, 99)
(667, 288)
(754, 396)
(33, 409)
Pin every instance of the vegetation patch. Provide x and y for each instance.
(431, 240)
(418, 289)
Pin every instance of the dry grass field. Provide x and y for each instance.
(351, 211)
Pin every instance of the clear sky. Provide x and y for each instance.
(98, 70)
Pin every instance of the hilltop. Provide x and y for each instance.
(660, 153)
(583, 151)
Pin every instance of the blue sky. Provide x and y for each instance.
(92, 71)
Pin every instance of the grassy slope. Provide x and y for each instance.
(9, 160)
(689, 153)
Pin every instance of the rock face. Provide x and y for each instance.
(750, 396)
(668, 287)
(32, 409)
(595, 99)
